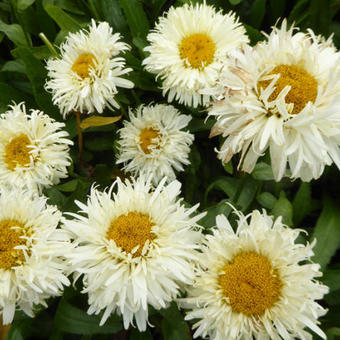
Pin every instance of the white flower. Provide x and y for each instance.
(153, 142)
(86, 76)
(33, 149)
(31, 252)
(282, 95)
(135, 248)
(187, 47)
(255, 283)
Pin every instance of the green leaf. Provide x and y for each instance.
(9, 94)
(73, 320)
(173, 325)
(258, 11)
(267, 200)
(326, 233)
(263, 172)
(228, 167)
(23, 4)
(114, 16)
(228, 185)
(13, 66)
(99, 143)
(319, 18)
(302, 202)
(37, 73)
(298, 12)
(235, 2)
(209, 220)
(247, 193)
(63, 20)
(15, 33)
(137, 335)
(136, 17)
(68, 186)
(331, 278)
(253, 34)
(284, 208)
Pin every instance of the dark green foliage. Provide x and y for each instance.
(313, 206)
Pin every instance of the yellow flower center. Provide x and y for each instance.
(250, 283)
(304, 87)
(10, 237)
(131, 230)
(17, 152)
(198, 49)
(145, 139)
(83, 64)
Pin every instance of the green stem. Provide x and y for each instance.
(48, 44)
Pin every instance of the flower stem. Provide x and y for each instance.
(48, 44)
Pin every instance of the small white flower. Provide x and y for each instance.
(34, 151)
(86, 76)
(255, 283)
(153, 142)
(134, 248)
(32, 266)
(187, 47)
(282, 95)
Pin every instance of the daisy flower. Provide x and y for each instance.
(255, 283)
(282, 95)
(86, 76)
(34, 151)
(31, 249)
(187, 48)
(152, 142)
(134, 248)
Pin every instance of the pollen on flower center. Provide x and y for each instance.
(146, 136)
(10, 237)
(17, 152)
(250, 283)
(198, 49)
(131, 230)
(83, 64)
(304, 87)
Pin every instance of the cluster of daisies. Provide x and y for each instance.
(137, 244)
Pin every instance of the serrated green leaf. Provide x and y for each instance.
(136, 17)
(267, 200)
(326, 233)
(263, 172)
(63, 20)
(73, 320)
(15, 33)
(284, 208)
(302, 202)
